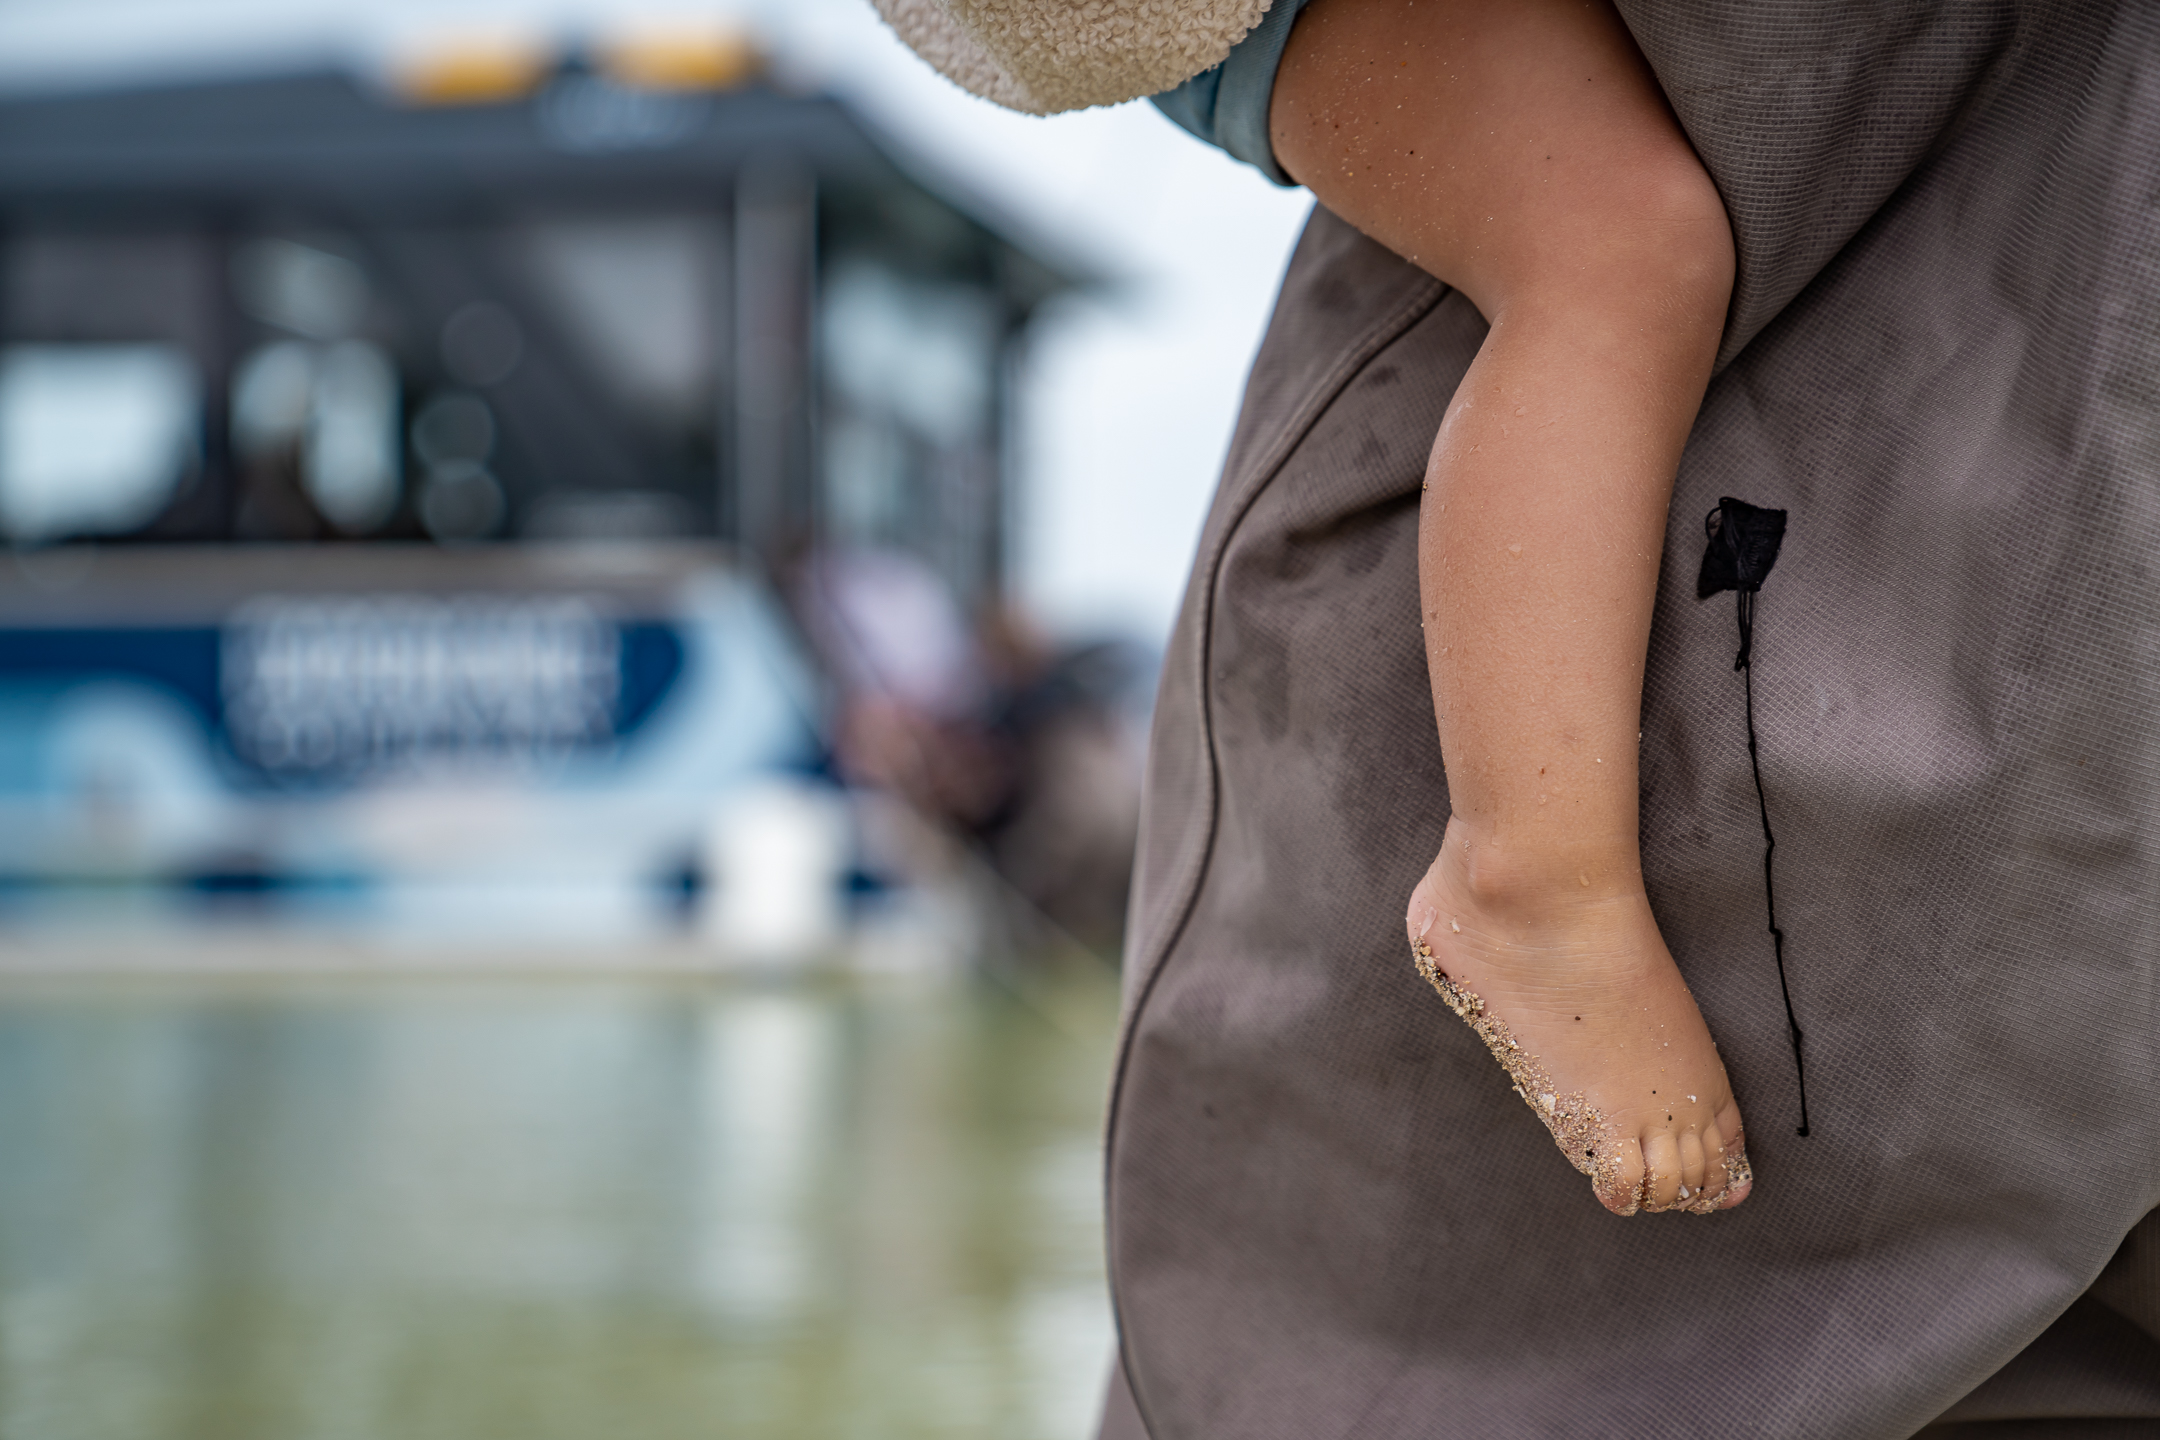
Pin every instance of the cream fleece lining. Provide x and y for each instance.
(1044, 56)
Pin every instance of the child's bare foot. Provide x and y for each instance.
(1571, 987)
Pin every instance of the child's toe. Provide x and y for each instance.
(1728, 1128)
(1661, 1160)
(1620, 1188)
(1739, 1176)
(1694, 1168)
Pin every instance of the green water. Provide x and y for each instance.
(552, 1209)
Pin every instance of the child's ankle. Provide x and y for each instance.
(1528, 878)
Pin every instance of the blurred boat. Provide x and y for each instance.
(259, 718)
(394, 472)
(601, 305)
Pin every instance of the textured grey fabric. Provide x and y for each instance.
(1120, 1418)
(1328, 1215)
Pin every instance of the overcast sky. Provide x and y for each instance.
(1127, 404)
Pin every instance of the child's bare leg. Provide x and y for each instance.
(1523, 153)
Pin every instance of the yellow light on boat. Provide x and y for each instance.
(680, 57)
(473, 70)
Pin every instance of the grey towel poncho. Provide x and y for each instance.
(1328, 1216)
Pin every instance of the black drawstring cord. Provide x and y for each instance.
(1750, 539)
(1769, 885)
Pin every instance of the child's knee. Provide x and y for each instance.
(1679, 226)
(1653, 253)
(1657, 242)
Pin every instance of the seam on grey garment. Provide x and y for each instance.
(1368, 347)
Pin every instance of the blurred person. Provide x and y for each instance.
(1066, 838)
(1320, 1211)
(911, 679)
(1021, 748)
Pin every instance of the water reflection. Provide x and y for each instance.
(551, 1210)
